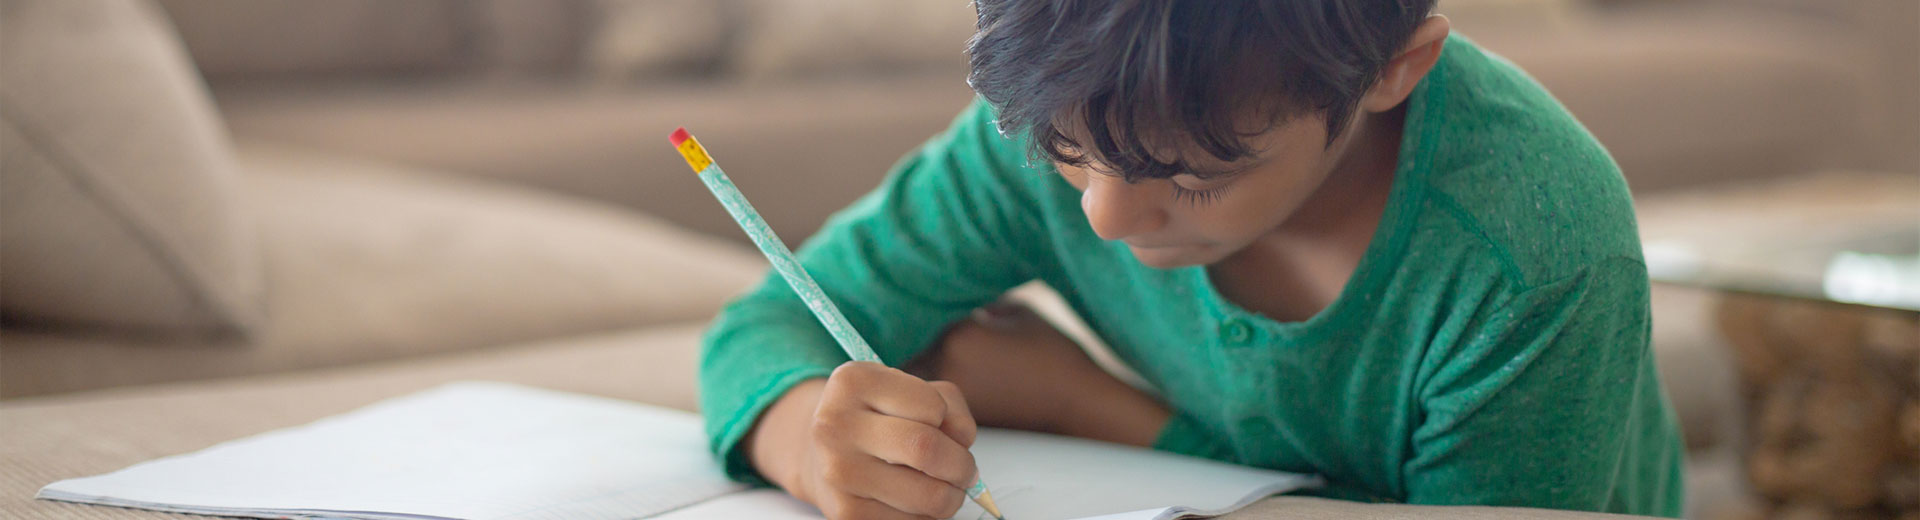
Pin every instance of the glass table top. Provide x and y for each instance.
(1879, 267)
(1847, 238)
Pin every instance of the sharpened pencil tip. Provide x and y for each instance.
(986, 502)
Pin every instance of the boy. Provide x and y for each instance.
(1336, 239)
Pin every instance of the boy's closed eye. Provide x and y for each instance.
(1190, 189)
(1195, 191)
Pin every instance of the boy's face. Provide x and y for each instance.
(1186, 220)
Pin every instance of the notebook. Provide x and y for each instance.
(483, 450)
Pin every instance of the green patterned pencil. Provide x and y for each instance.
(789, 268)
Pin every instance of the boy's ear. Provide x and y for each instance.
(1398, 78)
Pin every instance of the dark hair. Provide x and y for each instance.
(1145, 75)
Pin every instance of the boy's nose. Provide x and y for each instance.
(1118, 210)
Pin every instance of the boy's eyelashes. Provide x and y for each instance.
(1197, 191)
(1193, 197)
(1197, 197)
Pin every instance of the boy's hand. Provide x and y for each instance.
(879, 443)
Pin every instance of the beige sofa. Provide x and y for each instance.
(393, 195)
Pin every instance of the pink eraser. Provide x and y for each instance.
(680, 135)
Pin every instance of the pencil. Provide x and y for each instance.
(789, 268)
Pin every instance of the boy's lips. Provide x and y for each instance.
(1131, 243)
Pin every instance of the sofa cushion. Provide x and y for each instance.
(653, 39)
(799, 150)
(121, 204)
(520, 37)
(255, 39)
(1781, 95)
(370, 262)
(287, 41)
(784, 38)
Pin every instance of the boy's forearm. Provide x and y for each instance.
(1108, 409)
(1017, 371)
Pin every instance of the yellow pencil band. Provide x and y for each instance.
(789, 268)
(690, 149)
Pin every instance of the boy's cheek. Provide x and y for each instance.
(1073, 176)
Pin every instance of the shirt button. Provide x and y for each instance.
(1236, 331)
(1258, 431)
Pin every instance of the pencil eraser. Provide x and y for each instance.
(680, 135)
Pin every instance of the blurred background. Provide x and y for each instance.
(195, 191)
(817, 98)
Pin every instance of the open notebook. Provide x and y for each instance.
(479, 450)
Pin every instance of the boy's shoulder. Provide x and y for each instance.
(1510, 164)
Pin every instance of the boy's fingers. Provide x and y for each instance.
(909, 491)
(863, 508)
(914, 445)
(891, 392)
(958, 423)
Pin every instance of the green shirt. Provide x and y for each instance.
(1491, 348)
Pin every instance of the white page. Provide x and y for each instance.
(464, 450)
(757, 504)
(1044, 477)
(492, 450)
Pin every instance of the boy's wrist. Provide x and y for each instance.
(778, 441)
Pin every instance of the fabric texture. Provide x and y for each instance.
(1490, 349)
(121, 206)
(370, 262)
